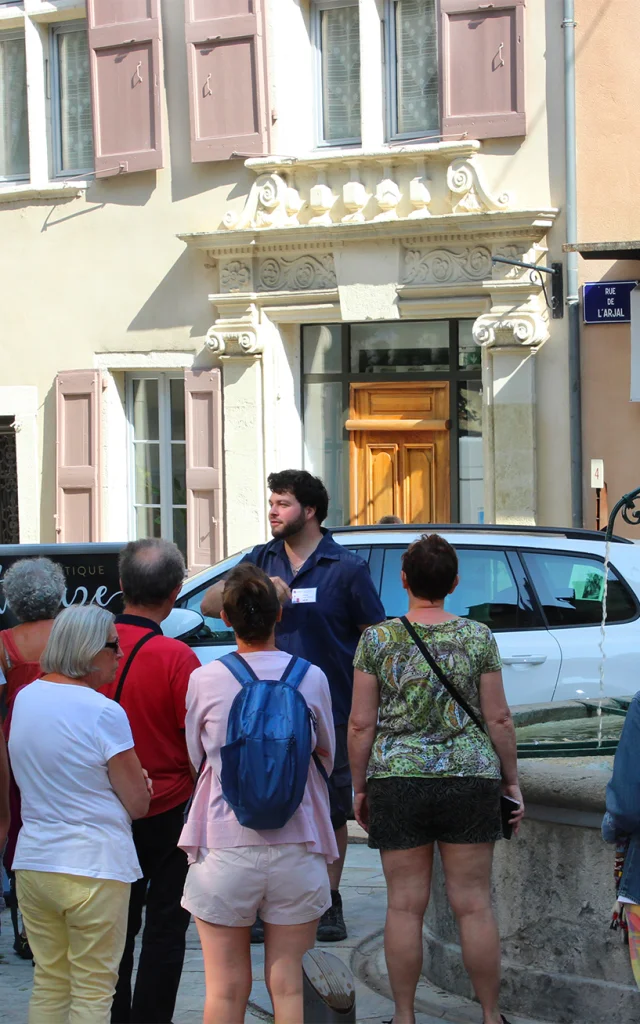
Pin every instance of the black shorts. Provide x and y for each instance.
(408, 812)
(340, 786)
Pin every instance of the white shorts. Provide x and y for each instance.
(286, 883)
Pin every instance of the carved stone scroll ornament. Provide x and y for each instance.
(228, 343)
(271, 203)
(303, 273)
(440, 266)
(465, 180)
(522, 327)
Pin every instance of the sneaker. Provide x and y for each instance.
(257, 931)
(331, 927)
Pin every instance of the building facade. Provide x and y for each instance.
(609, 246)
(240, 235)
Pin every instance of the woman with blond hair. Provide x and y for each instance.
(81, 783)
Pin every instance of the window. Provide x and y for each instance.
(400, 347)
(158, 457)
(412, 58)
(488, 591)
(336, 32)
(61, 97)
(14, 131)
(571, 588)
(72, 119)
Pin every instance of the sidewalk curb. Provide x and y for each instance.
(367, 964)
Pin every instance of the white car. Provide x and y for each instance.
(539, 589)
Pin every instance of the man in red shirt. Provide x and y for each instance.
(153, 695)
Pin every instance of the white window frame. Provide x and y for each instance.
(317, 6)
(34, 19)
(164, 428)
(61, 28)
(17, 33)
(391, 83)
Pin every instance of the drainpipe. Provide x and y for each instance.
(573, 305)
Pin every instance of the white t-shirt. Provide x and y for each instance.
(72, 821)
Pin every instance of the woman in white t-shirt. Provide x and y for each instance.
(81, 783)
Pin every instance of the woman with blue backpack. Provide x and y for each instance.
(258, 833)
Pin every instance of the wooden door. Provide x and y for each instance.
(399, 452)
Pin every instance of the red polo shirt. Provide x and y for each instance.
(154, 697)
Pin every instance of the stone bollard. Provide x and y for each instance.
(329, 990)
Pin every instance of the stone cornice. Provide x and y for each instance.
(355, 156)
(492, 226)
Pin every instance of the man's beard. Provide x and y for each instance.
(289, 529)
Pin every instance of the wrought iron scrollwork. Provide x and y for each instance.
(630, 511)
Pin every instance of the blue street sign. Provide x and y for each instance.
(607, 302)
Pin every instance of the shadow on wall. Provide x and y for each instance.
(180, 299)
(48, 475)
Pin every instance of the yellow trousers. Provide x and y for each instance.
(76, 928)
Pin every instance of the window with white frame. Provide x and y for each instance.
(158, 493)
(336, 36)
(412, 60)
(71, 100)
(45, 119)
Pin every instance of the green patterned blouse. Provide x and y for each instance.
(422, 732)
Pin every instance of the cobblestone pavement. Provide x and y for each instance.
(364, 898)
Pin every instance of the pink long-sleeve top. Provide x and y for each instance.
(211, 824)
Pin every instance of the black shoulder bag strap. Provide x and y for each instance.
(459, 699)
(125, 672)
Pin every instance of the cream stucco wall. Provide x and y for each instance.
(608, 123)
(102, 280)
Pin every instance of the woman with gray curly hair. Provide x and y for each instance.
(33, 589)
(81, 782)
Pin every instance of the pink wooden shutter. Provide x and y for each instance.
(483, 68)
(126, 78)
(227, 78)
(78, 395)
(203, 415)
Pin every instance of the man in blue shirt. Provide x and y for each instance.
(328, 598)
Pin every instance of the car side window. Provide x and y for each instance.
(571, 589)
(488, 591)
(213, 631)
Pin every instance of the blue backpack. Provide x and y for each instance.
(265, 763)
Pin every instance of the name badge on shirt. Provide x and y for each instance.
(304, 595)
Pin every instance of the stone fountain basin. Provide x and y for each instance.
(553, 895)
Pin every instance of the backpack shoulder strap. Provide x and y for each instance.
(239, 669)
(295, 672)
(125, 672)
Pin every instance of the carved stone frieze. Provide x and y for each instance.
(235, 276)
(441, 266)
(301, 273)
(465, 181)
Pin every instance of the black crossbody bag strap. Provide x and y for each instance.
(459, 699)
(141, 642)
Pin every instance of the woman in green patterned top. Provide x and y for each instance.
(424, 772)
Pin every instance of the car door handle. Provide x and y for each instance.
(525, 659)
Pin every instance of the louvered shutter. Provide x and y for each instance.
(483, 68)
(203, 419)
(226, 58)
(126, 80)
(78, 394)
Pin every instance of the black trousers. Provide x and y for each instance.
(164, 869)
